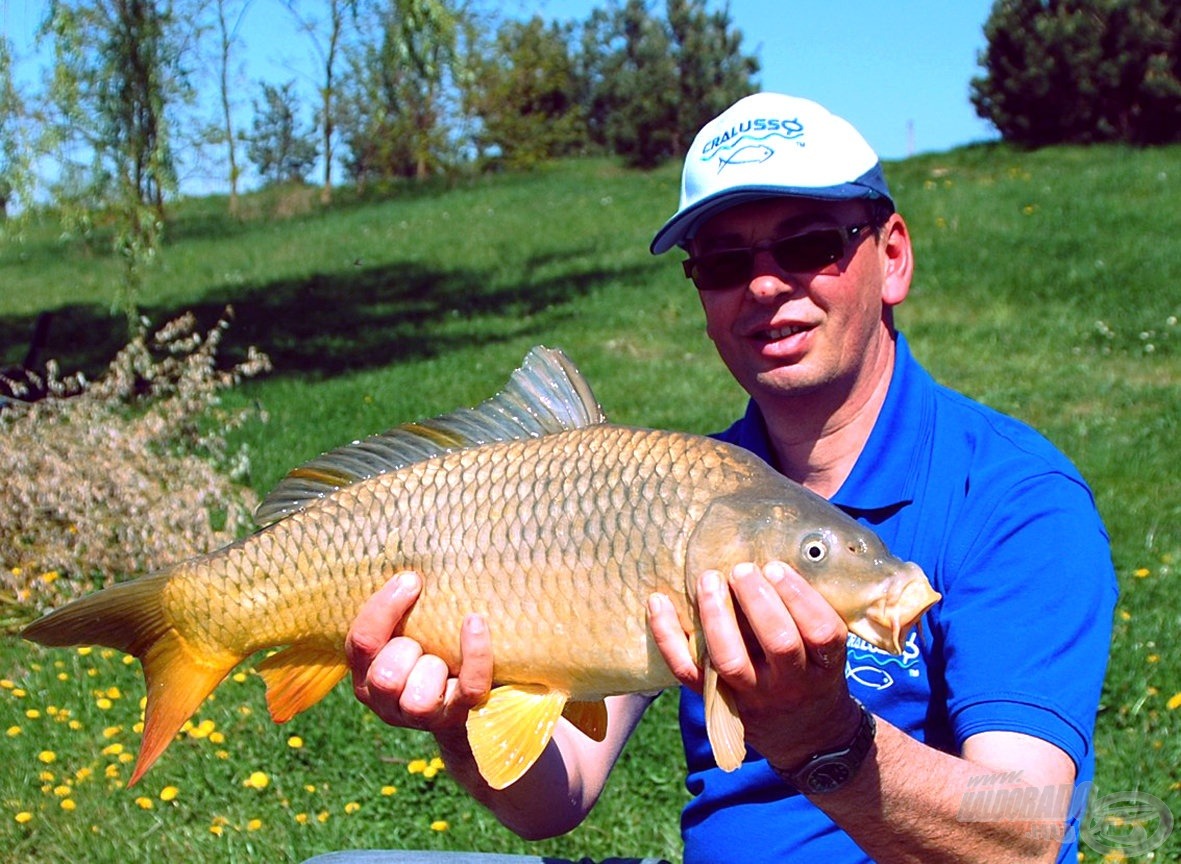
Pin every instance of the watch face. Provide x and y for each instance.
(830, 776)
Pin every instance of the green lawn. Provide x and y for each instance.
(1046, 286)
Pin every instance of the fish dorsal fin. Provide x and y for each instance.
(546, 395)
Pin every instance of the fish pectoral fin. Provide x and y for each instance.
(509, 730)
(589, 717)
(723, 726)
(300, 676)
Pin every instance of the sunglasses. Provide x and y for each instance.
(809, 252)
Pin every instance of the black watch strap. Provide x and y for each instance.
(830, 770)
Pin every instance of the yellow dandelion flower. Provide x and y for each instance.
(69, 805)
(19, 692)
(439, 825)
(352, 807)
(240, 677)
(253, 824)
(62, 791)
(222, 754)
(301, 818)
(138, 728)
(295, 742)
(75, 725)
(322, 816)
(83, 773)
(103, 703)
(63, 676)
(50, 576)
(1153, 658)
(310, 787)
(216, 830)
(169, 793)
(85, 650)
(416, 766)
(24, 817)
(126, 757)
(128, 659)
(112, 731)
(144, 802)
(91, 673)
(112, 749)
(1174, 702)
(13, 731)
(46, 776)
(429, 772)
(33, 714)
(47, 756)
(1141, 572)
(6, 683)
(389, 790)
(217, 738)
(257, 780)
(438, 764)
(111, 771)
(51, 710)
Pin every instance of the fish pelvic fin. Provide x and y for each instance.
(300, 676)
(589, 717)
(723, 726)
(130, 617)
(546, 395)
(510, 729)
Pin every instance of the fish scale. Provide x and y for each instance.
(530, 510)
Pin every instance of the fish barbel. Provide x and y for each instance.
(529, 509)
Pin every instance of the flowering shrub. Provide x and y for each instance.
(130, 474)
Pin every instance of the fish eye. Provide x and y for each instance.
(814, 548)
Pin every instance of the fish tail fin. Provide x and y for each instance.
(130, 617)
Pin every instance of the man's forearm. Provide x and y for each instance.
(906, 804)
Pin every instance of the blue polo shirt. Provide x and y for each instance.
(1008, 532)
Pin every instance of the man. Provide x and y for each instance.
(799, 259)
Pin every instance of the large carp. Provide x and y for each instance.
(529, 509)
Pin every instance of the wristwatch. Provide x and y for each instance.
(830, 770)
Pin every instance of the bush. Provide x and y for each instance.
(130, 474)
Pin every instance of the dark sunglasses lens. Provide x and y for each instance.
(811, 251)
(722, 269)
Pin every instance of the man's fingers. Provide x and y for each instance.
(475, 670)
(671, 641)
(820, 627)
(376, 622)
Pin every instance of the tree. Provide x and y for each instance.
(524, 95)
(230, 14)
(16, 138)
(393, 117)
(281, 150)
(1082, 71)
(119, 68)
(650, 83)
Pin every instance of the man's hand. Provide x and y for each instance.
(780, 647)
(398, 681)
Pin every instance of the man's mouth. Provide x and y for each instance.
(776, 333)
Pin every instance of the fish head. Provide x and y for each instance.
(879, 596)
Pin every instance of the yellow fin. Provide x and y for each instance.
(298, 677)
(509, 730)
(723, 726)
(589, 717)
(130, 616)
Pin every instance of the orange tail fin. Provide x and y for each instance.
(130, 617)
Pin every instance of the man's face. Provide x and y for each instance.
(790, 333)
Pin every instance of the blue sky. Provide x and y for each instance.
(899, 71)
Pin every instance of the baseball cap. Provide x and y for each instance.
(766, 145)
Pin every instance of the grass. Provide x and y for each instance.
(1045, 287)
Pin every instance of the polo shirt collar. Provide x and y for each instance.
(886, 473)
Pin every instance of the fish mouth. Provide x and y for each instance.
(887, 621)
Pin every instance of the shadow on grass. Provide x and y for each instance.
(327, 324)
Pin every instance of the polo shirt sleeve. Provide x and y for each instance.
(1027, 611)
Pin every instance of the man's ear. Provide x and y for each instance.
(897, 260)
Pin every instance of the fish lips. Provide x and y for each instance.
(887, 620)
